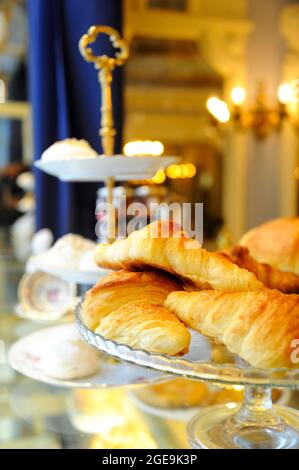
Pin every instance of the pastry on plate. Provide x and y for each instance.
(66, 253)
(260, 327)
(67, 357)
(123, 287)
(269, 276)
(276, 243)
(146, 326)
(173, 252)
(68, 149)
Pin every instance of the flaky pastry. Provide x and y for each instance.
(178, 255)
(269, 276)
(260, 327)
(145, 326)
(140, 250)
(208, 270)
(122, 287)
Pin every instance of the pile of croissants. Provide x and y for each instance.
(161, 286)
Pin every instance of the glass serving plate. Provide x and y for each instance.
(120, 167)
(255, 424)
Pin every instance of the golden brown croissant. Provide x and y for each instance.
(122, 287)
(145, 326)
(270, 277)
(178, 255)
(276, 243)
(141, 249)
(257, 326)
(208, 270)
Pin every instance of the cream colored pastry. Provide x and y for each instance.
(67, 357)
(68, 149)
(67, 252)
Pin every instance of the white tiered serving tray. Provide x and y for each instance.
(94, 169)
(75, 276)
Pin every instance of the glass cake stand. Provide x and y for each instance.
(256, 424)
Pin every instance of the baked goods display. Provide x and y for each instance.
(273, 278)
(275, 242)
(123, 287)
(68, 149)
(230, 298)
(257, 326)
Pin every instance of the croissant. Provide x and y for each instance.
(141, 249)
(208, 270)
(276, 243)
(145, 326)
(257, 326)
(122, 287)
(178, 255)
(270, 277)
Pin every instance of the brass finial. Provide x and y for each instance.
(105, 65)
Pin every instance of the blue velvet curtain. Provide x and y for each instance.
(65, 96)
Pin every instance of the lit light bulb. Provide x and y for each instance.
(218, 108)
(143, 148)
(159, 177)
(173, 171)
(191, 170)
(238, 95)
(212, 104)
(285, 93)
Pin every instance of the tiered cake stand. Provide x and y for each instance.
(107, 167)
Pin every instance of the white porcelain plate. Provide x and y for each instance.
(25, 355)
(120, 167)
(45, 297)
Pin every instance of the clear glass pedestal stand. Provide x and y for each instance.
(256, 424)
